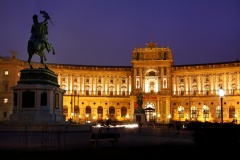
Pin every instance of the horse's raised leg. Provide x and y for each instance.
(29, 59)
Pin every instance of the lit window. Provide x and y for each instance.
(18, 74)
(5, 100)
(6, 73)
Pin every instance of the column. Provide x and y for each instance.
(140, 79)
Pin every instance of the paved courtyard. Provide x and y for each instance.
(150, 142)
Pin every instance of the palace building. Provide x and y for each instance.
(170, 92)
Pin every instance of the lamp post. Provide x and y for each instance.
(221, 93)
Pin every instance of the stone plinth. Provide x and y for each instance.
(37, 98)
(139, 115)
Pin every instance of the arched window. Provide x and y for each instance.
(231, 112)
(123, 111)
(100, 111)
(88, 110)
(218, 112)
(180, 112)
(205, 112)
(111, 111)
(193, 112)
(76, 109)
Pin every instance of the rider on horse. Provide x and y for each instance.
(38, 40)
(39, 32)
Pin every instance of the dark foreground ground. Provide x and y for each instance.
(156, 152)
(157, 143)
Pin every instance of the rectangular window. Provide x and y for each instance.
(123, 93)
(181, 93)
(5, 100)
(87, 80)
(205, 114)
(232, 113)
(6, 73)
(99, 93)
(123, 81)
(75, 92)
(181, 114)
(194, 113)
(87, 92)
(218, 113)
(111, 93)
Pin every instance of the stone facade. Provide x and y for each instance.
(170, 92)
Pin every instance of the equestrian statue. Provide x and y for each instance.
(38, 41)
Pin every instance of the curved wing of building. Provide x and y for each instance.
(170, 92)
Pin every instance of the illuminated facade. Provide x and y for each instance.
(170, 92)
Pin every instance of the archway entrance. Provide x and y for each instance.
(150, 112)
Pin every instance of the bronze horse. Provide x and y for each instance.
(38, 41)
(38, 48)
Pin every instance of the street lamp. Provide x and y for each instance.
(221, 93)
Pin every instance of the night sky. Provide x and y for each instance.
(105, 32)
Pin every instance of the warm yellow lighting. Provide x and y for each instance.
(221, 92)
(169, 116)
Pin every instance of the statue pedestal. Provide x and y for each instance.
(139, 115)
(37, 98)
